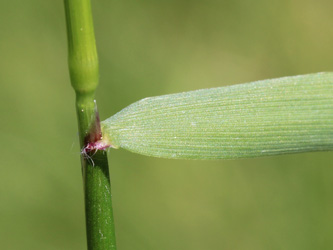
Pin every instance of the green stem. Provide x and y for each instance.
(83, 67)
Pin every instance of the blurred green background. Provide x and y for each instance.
(149, 48)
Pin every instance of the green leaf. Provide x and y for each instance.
(284, 115)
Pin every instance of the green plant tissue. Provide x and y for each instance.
(269, 117)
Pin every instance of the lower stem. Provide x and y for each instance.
(97, 186)
(98, 205)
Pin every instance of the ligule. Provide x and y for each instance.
(269, 117)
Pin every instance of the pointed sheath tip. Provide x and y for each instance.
(94, 139)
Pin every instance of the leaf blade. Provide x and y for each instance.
(283, 115)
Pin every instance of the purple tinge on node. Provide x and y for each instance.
(98, 145)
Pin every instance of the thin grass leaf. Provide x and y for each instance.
(270, 117)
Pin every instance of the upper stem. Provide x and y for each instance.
(82, 60)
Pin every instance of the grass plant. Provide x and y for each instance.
(270, 117)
